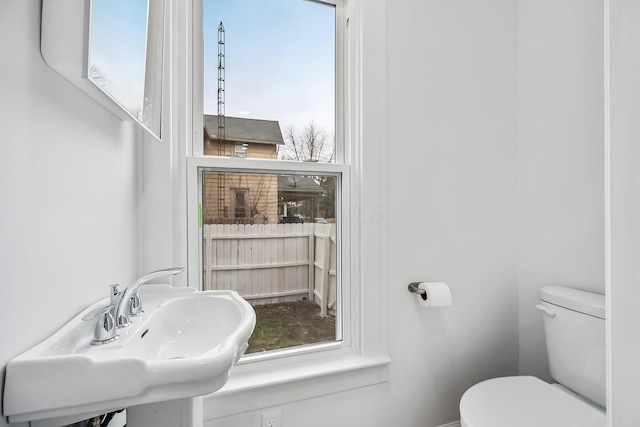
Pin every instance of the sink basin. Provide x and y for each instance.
(184, 345)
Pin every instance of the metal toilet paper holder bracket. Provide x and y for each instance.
(413, 287)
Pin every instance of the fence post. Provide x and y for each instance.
(206, 232)
(326, 265)
(311, 236)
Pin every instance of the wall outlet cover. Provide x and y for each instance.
(272, 419)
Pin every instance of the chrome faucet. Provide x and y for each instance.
(122, 306)
(127, 303)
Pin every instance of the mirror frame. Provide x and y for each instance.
(64, 44)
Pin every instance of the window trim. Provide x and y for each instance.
(195, 148)
(330, 369)
(251, 165)
(256, 165)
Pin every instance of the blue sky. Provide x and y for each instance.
(118, 45)
(280, 60)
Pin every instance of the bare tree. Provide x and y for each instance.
(136, 112)
(97, 76)
(310, 145)
(313, 145)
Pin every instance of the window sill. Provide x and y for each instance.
(249, 391)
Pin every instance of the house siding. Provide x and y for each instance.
(262, 197)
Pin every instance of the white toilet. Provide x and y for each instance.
(574, 324)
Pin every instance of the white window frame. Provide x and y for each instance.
(360, 359)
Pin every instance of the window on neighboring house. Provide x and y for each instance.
(241, 149)
(271, 223)
(239, 202)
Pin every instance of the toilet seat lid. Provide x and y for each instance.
(526, 402)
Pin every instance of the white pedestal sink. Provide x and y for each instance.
(183, 346)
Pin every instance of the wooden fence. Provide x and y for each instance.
(269, 263)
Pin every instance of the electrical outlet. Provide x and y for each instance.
(272, 419)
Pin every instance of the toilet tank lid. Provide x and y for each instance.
(582, 301)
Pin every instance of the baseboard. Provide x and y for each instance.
(452, 424)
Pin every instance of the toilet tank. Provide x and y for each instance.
(574, 325)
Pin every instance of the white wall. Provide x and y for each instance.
(68, 191)
(452, 199)
(624, 169)
(560, 158)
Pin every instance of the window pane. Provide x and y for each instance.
(269, 79)
(272, 238)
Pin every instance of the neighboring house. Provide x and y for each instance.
(235, 198)
(242, 137)
(298, 190)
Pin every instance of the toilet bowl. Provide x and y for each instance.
(575, 334)
(526, 402)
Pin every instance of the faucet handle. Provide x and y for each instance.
(114, 293)
(135, 305)
(105, 330)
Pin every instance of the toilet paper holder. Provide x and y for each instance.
(431, 294)
(413, 287)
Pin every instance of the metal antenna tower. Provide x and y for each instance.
(221, 118)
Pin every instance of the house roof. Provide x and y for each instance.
(241, 129)
(293, 188)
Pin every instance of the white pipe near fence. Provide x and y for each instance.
(268, 263)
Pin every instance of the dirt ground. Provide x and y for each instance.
(290, 324)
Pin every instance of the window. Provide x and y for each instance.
(241, 149)
(281, 162)
(274, 253)
(273, 235)
(239, 201)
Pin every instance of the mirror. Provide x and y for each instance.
(125, 55)
(113, 51)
